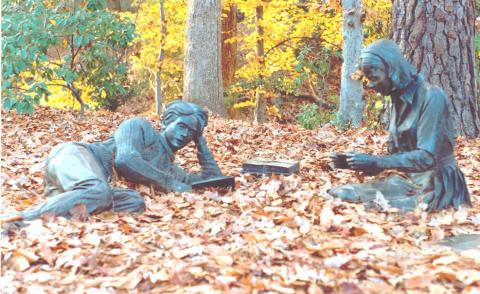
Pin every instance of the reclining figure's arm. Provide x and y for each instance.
(209, 167)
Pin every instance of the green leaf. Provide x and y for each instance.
(6, 84)
(27, 107)
(77, 41)
(298, 67)
(23, 53)
(43, 58)
(19, 107)
(8, 103)
(19, 66)
(8, 68)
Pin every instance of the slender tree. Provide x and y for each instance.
(437, 37)
(260, 50)
(203, 75)
(351, 100)
(161, 57)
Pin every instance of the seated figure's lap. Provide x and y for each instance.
(399, 192)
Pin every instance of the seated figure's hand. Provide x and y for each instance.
(181, 187)
(373, 172)
(391, 148)
(339, 160)
(363, 162)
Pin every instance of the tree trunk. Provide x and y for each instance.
(351, 100)
(203, 76)
(259, 113)
(437, 38)
(120, 5)
(229, 48)
(158, 80)
(158, 93)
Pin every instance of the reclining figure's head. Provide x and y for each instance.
(182, 122)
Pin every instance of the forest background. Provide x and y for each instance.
(100, 54)
(105, 53)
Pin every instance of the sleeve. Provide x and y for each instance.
(131, 138)
(209, 167)
(410, 162)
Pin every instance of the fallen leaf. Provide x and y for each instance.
(19, 263)
(417, 282)
(350, 288)
(326, 217)
(444, 260)
(336, 261)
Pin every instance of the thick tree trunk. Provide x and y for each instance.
(161, 57)
(229, 47)
(437, 37)
(203, 75)
(259, 113)
(351, 100)
(120, 5)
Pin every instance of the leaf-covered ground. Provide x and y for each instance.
(272, 234)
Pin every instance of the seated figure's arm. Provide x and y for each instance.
(131, 138)
(413, 161)
(209, 167)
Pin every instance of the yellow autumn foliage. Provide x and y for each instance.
(145, 60)
(289, 25)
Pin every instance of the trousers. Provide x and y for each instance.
(74, 176)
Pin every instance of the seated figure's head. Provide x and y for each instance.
(386, 69)
(182, 122)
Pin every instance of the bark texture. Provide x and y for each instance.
(259, 114)
(161, 57)
(158, 93)
(437, 37)
(351, 100)
(203, 75)
(229, 47)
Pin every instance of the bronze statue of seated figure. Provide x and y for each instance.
(421, 140)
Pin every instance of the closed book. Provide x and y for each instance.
(266, 166)
(223, 181)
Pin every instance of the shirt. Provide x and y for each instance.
(422, 144)
(142, 155)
